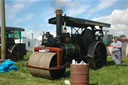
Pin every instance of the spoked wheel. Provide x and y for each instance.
(99, 55)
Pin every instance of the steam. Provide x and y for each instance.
(59, 4)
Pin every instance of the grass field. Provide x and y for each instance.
(108, 75)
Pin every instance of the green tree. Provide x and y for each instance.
(122, 35)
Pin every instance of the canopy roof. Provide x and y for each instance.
(13, 29)
(78, 22)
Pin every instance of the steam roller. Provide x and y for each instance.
(83, 43)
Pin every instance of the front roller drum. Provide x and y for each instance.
(41, 64)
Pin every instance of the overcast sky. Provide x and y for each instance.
(33, 15)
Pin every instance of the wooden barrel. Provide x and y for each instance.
(79, 74)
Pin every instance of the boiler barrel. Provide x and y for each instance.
(70, 49)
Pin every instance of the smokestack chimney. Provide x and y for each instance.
(58, 22)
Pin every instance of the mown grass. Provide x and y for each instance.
(108, 75)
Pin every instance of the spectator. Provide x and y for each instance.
(117, 51)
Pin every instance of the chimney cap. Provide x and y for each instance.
(59, 11)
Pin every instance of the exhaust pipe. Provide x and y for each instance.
(59, 23)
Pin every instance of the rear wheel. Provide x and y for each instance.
(97, 55)
(16, 52)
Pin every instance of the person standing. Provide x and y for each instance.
(117, 51)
